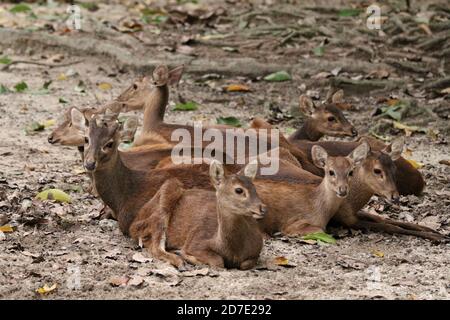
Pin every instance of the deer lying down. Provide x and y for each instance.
(215, 228)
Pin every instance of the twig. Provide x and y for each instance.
(405, 65)
(438, 84)
(50, 65)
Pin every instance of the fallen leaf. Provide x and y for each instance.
(446, 162)
(319, 51)
(188, 106)
(230, 121)
(278, 76)
(20, 8)
(136, 281)
(104, 86)
(62, 100)
(425, 28)
(193, 273)
(415, 164)
(320, 236)
(62, 77)
(46, 289)
(4, 89)
(118, 281)
(378, 253)
(408, 129)
(49, 123)
(237, 88)
(139, 257)
(5, 60)
(349, 12)
(446, 90)
(54, 194)
(6, 228)
(34, 127)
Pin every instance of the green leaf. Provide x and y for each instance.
(80, 87)
(5, 60)
(229, 121)
(278, 76)
(62, 100)
(188, 106)
(395, 111)
(319, 51)
(21, 86)
(4, 89)
(349, 12)
(320, 236)
(20, 8)
(34, 127)
(54, 194)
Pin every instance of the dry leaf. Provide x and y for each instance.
(105, 86)
(46, 289)
(119, 281)
(62, 77)
(6, 228)
(415, 164)
(284, 262)
(446, 90)
(378, 253)
(136, 281)
(237, 88)
(139, 257)
(446, 162)
(193, 273)
(425, 28)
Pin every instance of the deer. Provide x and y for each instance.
(408, 179)
(218, 228)
(325, 119)
(376, 175)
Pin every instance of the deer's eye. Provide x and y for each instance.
(331, 119)
(350, 174)
(377, 171)
(238, 190)
(135, 86)
(86, 140)
(109, 145)
(331, 173)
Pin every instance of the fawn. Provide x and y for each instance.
(218, 229)
(304, 203)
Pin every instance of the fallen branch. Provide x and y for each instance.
(46, 64)
(437, 84)
(365, 86)
(405, 65)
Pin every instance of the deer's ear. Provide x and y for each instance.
(319, 156)
(395, 149)
(251, 169)
(216, 173)
(129, 129)
(78, 120)
(175, 75)
(338, 96)
(306, 105)
(160, 75)
(360, 153)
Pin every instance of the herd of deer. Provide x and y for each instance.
(218, 214)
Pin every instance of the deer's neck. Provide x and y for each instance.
(325, 203)
(114, 183)
(360, 193)
(155, 107)
(307, 132)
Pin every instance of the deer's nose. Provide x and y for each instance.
(262, 209)
(342, 191)
(50, 139)
(354, 132)
(90, 165)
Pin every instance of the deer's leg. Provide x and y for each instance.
(393, 229)
(405, 225)
(300, 228)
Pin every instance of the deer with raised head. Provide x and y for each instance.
(216, 228)
(325, 119)
(302, 202)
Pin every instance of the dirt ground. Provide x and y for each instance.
(68, 245)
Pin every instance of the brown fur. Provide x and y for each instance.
(207, 229)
